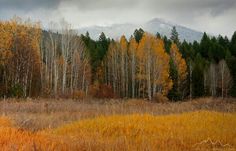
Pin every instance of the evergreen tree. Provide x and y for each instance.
(185, 50)
(167, 43)
(216, 52)
(196, 47)
(198, 77)
(103, 44)
(138, 34)
(223, 41)
(178, 66)
(173, 94)
(205, 45)
(175, 36)
(233, 44)
(97, 50)
(231, 61)
(158, 35)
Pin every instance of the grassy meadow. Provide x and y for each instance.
(119, 125)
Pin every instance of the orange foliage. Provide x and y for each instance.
(153, 58)
(19, 53)
(101, 91)
(178, 61)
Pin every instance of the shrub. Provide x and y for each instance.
(16, 91)
(101, 91)
(160, 98)
(2, 90)
(78, 94)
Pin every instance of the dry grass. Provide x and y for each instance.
(45, 124)
(202, 130)
(12, 139)
(39, 114)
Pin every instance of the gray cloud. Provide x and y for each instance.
(103, 4)
(28, 5)
(215, 16)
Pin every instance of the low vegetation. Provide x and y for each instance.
(187, 131)
(203, 124)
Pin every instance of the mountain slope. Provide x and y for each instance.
(153, 26)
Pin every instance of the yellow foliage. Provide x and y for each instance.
(6, 39)
(152, 57)
(123, 44)
(178, 61)
(133, 46)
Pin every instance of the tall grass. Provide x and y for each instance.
(119, 125)
(202, 130)
(41, 114)
(186, 131)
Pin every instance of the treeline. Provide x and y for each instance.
(138, 68)
(60, 63)
(34, 62)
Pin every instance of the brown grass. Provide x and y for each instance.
(119, 125)
(39, 114)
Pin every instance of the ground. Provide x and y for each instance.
(50, 124)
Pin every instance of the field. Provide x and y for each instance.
(48, 124)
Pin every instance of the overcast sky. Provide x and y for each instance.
(212, 16)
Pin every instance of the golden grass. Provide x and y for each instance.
(15, 139)
(12, 138)
(201, 130)
(118, 126)
(5, 122)
(40, 114)
(190, 131)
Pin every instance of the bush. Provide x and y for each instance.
(101, 91)
(16, 91)
(158, 97)
(79, 94)
(2, 90)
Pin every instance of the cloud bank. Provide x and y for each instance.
(212, 16)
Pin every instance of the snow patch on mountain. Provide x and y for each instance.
(153, 26)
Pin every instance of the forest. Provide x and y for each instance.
(57, 62)
(62, 91)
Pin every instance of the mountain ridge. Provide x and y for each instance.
(152, 26)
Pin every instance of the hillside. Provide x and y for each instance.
(153, 26)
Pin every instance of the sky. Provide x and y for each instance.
(213, 16)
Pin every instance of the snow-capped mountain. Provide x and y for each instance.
(156, 25)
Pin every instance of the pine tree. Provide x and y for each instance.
(138, 34)
(179, 67)
(231, 61)
(198, 77)
(175, 36)
(174, 93)
(233, 44)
